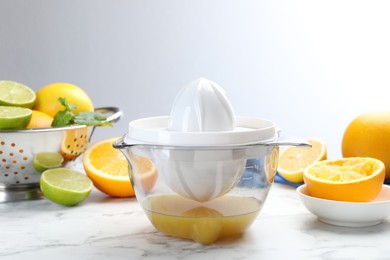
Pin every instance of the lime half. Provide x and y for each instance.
(65, 186)
(14, 117)
(47, 160)
(16, 94)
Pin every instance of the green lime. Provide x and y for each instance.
(16, 94)
(65, 186)
(14, 117)
(47, 160)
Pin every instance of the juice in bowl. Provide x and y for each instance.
(197, 175)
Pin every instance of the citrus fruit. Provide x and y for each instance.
(74, 143)
(39, 120)
(47, 160)
(47, 98)
(144, 172)
(293, 160)
(354, 179)
(14, 117)
(65, 186)
(368, 135)
(108, 168)
(16, 94)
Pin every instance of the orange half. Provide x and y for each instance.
(353, 179)
(108, 169)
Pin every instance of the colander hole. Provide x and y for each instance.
(74, 140)
(26, 177)
(11, 154)
(14, 162)
(17, 182)
(25, 158)
(21, 151)
(68, 146)
(77, 145)
(15, 173)
(6, 175)
(13, 144)
(1, 152)
(22, 167)
(7, 167)
(4, 160)
(2, 143)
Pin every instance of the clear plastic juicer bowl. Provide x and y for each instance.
(203, 221)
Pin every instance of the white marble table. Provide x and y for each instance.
(108, 228)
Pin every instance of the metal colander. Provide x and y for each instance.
(18, 147)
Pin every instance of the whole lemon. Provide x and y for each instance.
(368, 135)
(47, 98)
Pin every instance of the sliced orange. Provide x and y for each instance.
(144, 172)
(75, 142)
(354, 179)
(108, 169)
(293, 160)
(40, 120)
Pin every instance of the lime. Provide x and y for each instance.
(16, 94)
(14, 117)
(65, 186)
(47, 160)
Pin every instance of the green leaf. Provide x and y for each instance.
(91, 119)
(63, 118)
(67, 117)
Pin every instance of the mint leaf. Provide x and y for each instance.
(68, 107)
(91, 119)
(67, 117)
(63, 118)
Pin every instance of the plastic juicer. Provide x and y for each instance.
(202, 173)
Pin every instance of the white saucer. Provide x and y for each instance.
(348, 214)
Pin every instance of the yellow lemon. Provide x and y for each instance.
(293, 160)
(47, 98)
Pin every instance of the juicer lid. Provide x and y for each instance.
(154, 130)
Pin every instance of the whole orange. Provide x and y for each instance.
(47, 98)
(40, 120)
(368, 135)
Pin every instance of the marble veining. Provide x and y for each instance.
(108, 228)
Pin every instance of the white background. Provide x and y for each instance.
(309, 66)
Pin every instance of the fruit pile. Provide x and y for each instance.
(57, 104)
(358, 176)
(62, 104)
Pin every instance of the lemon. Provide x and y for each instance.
(47, 160)
(14, 117)
(47, 98)
(65, 186)
(293, 160)
(16, 94)
(354, 179)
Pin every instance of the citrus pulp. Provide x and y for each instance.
(353, 179)
(293, 160)
(65, 186)
(16, 94)
(108, 169)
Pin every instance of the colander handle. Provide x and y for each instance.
(113, 113)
